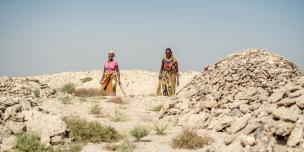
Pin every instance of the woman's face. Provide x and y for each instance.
(168, 54)
(111, 56)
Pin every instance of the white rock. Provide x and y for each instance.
(44, 125)
(15, 127)
(296, 135)
(287, 114)
(239, 124)
(8, 143)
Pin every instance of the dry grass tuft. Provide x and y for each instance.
(65, 100)
(86, 92)
(68, 88)
(95, 109)
(86, 79)
(160, 128)
(189, 139)
(117, 100)
(157, 108)
(118, 117)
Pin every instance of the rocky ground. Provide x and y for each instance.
(249, 101)
(22, 110)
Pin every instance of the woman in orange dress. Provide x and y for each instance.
(110, 76)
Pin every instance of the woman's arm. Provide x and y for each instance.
(103, 73)
(160, 71)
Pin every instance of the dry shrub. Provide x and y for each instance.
(160, 128)
(68, 88)
(189, 139)
(83, 131)
(95, 109)
(30, 143)
(86, 79)
(139, 132)
(118, 117)
(117, 100)
(86, 92)
(157, 108)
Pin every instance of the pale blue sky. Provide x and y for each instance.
(51, 36)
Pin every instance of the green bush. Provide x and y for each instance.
(68, 88)
(188, 139)
(157, 108)
(83, 131)
(75, 147)
(65, 100)
(118, 117)
(160, 128)
(125, 146)
(95, 109)
(29, 143)
(36, 93)
(87, 79)
(138, 132)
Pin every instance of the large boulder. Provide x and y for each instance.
(44, 125)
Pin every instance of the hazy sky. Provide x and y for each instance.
(51, 36)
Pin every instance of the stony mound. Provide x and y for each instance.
(20, 111)
(253, 95)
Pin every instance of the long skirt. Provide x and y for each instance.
(167, 84)
(108, 84)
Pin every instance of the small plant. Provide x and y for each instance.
(138, 132)
(157, 108)
(29, 143)
(126, 146)
(95, 109)
(111, 147)
(86, 92)
(118, 117)
(152, 94)
(188, 139)
(82, 99)
(86, 79)
(75, 147)
(36, 93)
(68, 88)
(83, 131)
(65, 100)
(160, 128)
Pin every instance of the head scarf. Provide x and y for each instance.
(112, 52)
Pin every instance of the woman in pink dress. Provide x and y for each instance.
(110, 76)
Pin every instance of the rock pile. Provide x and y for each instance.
(19, 110)
(254, 98)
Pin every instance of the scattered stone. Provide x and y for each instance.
(247, 140)
(239, 124)
(287, 114)
(296, 135)
(15, 127)
(8, 143)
